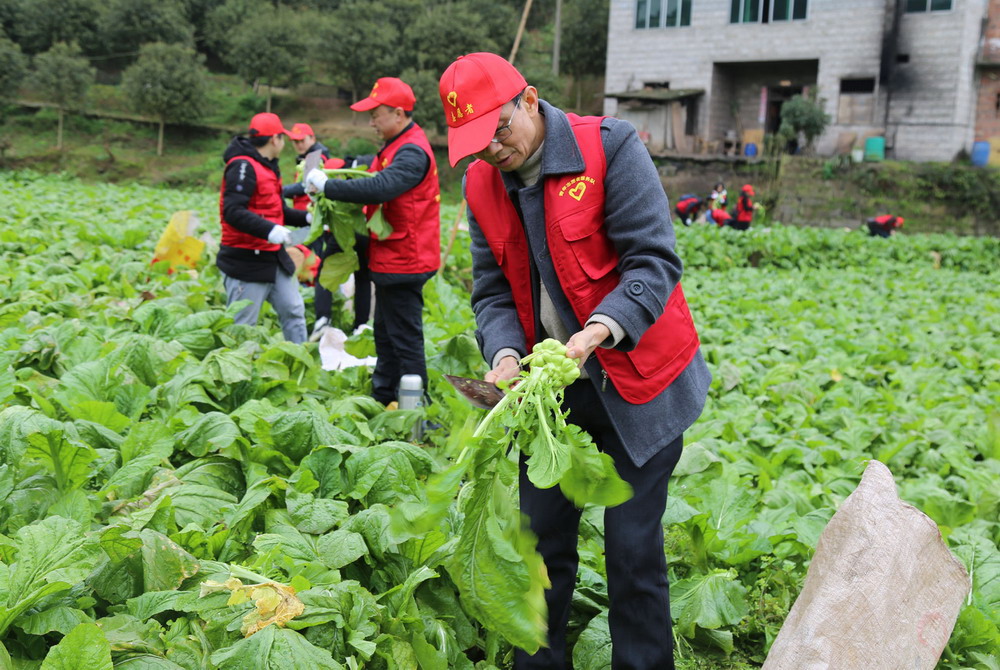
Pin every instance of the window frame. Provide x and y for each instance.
(928, 6)
(644, 13)
(766, 10)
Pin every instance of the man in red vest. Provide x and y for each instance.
(687, 208)
(571, 239)
(884, 225)
(745, 208)
(406, 187)
(252, 256)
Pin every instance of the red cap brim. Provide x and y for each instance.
(365, 104)
(472, 136)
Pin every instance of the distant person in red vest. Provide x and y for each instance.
(744, 209)
(571, 239)
(687, 208)
(304, 140)
(720, 217)
(252, 256)
(883, 226)
(406, 187)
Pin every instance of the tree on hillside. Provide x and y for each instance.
(62, 76)
(125, 25)
(39, 24)
(351, 39)
(584, 43)
(442, 32)
(271, 47)
(12, 67)
(168, 82)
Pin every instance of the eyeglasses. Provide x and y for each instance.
(504, 131)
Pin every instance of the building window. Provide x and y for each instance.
(766, 11)
(648, 13)
(927, 5)
(857, 101)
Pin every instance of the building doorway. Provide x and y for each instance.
(777, 96)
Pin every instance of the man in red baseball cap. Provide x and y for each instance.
(572, 240)
(252, 256)
(405, 186)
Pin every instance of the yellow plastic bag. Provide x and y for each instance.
(177, 244)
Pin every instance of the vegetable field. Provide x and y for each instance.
(177, 491)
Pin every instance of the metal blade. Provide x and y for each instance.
(299, 235)
(313, 160)
(478, 392)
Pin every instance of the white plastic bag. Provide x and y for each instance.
(882, 592)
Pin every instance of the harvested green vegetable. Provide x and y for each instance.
(500, 576)
(533, 421)
(344, 220)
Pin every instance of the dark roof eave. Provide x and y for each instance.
(662, 95)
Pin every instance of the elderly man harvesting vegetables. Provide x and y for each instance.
(406, 187)
(571, 239)
(252, 254)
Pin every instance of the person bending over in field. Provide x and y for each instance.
(884, 225)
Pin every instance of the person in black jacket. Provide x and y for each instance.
(252, 256)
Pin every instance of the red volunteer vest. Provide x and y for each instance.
(687, 205)
(744, 209)
(265, 201)
(888, 221)
(415, 243)
(586, 263)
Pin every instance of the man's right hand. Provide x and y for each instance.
(507, 368)
(280, 235)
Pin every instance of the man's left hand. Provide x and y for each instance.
(582, 344)
(315, 181)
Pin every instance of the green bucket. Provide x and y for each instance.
(875, 149)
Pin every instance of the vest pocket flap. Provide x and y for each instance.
(672, 333)
(593, 251)
(581, 223)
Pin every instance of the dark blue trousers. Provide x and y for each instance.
(398, 329)
(639, 614)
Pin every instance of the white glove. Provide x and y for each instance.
(280, 235)
(309, 217)
(315, 181)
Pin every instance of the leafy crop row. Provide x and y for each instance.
(170, 482)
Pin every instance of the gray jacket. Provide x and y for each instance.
(637, 221)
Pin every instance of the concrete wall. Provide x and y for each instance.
(988, 106)
(933, 110)
(932, 113)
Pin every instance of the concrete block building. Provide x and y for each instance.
(711, 76)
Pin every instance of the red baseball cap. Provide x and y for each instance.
(387, 91)
(334, 163)
(473, 89)
(266, 124)
(748, 189)
(300, 131)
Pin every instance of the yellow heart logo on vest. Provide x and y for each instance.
(453, 99)
(577, 191)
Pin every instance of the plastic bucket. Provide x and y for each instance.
(980, 153)
(875, 149)
(750, 149)
(857, 155)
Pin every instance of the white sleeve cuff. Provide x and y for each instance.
(503, 353)
(617, 332)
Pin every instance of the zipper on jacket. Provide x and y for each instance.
(604, 380)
